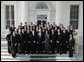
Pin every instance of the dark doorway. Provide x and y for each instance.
(41, 19)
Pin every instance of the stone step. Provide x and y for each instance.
(40, 58)
(5, 56)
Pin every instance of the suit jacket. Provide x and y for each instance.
(49, 32)
(67, 33)
(27, 37)
(59, 38)
(32, 38)
(13, 39)
(23, 37)
(18, 38)
(53, 37)
(71, 43)
(64, 37)
(8, 37)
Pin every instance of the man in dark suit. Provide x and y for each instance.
(33, 42)
(59, 41)
(53, 39)
(55, 32)
(9, 41)
(28, 42)
(43, 40)
(37, 42)
(67, 38)
(23, 42)
(64, 40)
(71, 45)
(47, 46)
(19, 40)
(13, 44)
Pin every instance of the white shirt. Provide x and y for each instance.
(39, 34)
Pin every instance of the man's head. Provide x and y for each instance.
(21, 23)
(25, 23)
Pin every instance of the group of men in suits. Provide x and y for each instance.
(42, 38)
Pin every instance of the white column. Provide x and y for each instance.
(26, 11)
(22, 11)
(58, 12)
(80, 22)
(3, 21)
(2, 16)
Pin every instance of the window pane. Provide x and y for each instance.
(7, 12)
(12, 11)
(7, 24)
(12, 22)
(74, 24)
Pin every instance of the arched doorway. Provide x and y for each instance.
(41, 9)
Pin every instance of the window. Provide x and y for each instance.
(41, 5)
(74, 16)
(9, 15)
(41, 17)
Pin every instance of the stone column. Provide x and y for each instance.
(22, 11)
(58, 12)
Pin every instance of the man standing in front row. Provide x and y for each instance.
(13, 44)
(71, 45)
(9, 42)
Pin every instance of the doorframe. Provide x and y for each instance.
(41, 19)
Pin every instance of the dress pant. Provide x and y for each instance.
(24, 47)
(47, 47)
(20, 48)
(9, 47)
(40, 47)
(13, 50)
(43, 47)
(28, 47)
(64, 48)
(33, 47)
(37, 47)
(59, 48)
(71, 52)
(52, 47)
